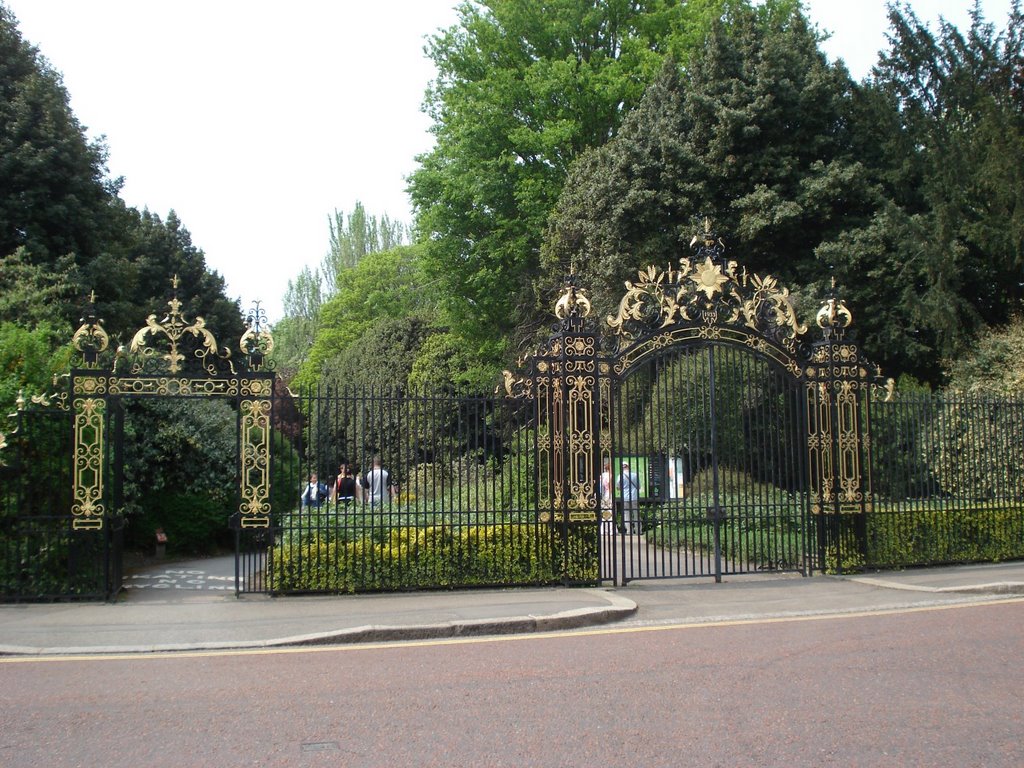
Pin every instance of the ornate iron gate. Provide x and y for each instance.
(698, 431)
(172, 357)
(744, 440)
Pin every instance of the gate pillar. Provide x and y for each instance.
(838, 444)
(573, 409)
(563, 378)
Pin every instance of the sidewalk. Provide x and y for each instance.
(210, 617)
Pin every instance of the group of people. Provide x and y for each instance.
(376, 486)
(348, 487)
(629, 494)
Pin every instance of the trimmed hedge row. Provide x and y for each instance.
(431, 557)
(990, 532)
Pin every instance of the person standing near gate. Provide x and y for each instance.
(345, 489)
(378, 482)
(607, 519)
(315, 492)
(629, 490)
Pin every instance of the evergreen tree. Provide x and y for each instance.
(55, 198)
(955, 162)
(754, 135)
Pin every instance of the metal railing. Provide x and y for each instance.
(948, 481)
(437, 489)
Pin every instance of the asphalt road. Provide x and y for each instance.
(941, 686)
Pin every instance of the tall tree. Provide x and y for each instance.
(354, 236)
(383, 287)
(54, 195)
(297, 330)
(753, 134)
(954, 155)
(522, 89)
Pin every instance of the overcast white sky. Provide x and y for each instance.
(255, 120)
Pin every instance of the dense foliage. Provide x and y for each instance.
(592, 136)
(65, 234)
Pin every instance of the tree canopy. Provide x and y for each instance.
(522, 89)
(64, 232)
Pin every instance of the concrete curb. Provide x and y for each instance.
(995, 588)
(574, 618)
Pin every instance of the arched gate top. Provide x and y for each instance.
(705, 298)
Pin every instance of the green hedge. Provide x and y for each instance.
(432, 557)
(989, 532)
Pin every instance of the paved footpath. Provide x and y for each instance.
(192, 606)
(216, 574)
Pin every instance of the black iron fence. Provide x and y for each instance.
(467, 499)
(42, 557)
(948, 482)
(412, 490)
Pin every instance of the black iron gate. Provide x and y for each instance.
(62, 515)
(699, 430)
(707, 472)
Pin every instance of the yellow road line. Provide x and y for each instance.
(609, 630)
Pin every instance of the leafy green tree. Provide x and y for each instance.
(31, 293)
(54, 194)
(353, 237)
(384, 286)
(522, 89)
(445, 361)
(29, 359)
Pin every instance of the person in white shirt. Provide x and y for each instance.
(378, 483)
(315, 492)
(629, 491)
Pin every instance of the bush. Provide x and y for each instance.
(974, 449)
(990, 532)
(419, 557)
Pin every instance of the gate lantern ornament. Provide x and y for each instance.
(90, 339)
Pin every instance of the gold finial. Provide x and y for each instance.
(174, 282)
(92, 296)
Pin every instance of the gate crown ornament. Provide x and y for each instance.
(90, 339)
(174, 328)
(706, 291)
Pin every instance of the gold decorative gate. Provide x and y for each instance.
(705, 316)
(179, 358)
(171, 357)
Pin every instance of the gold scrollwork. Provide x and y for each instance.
(255, 483)
(711, 293)
(87, 507)
(174, 328)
